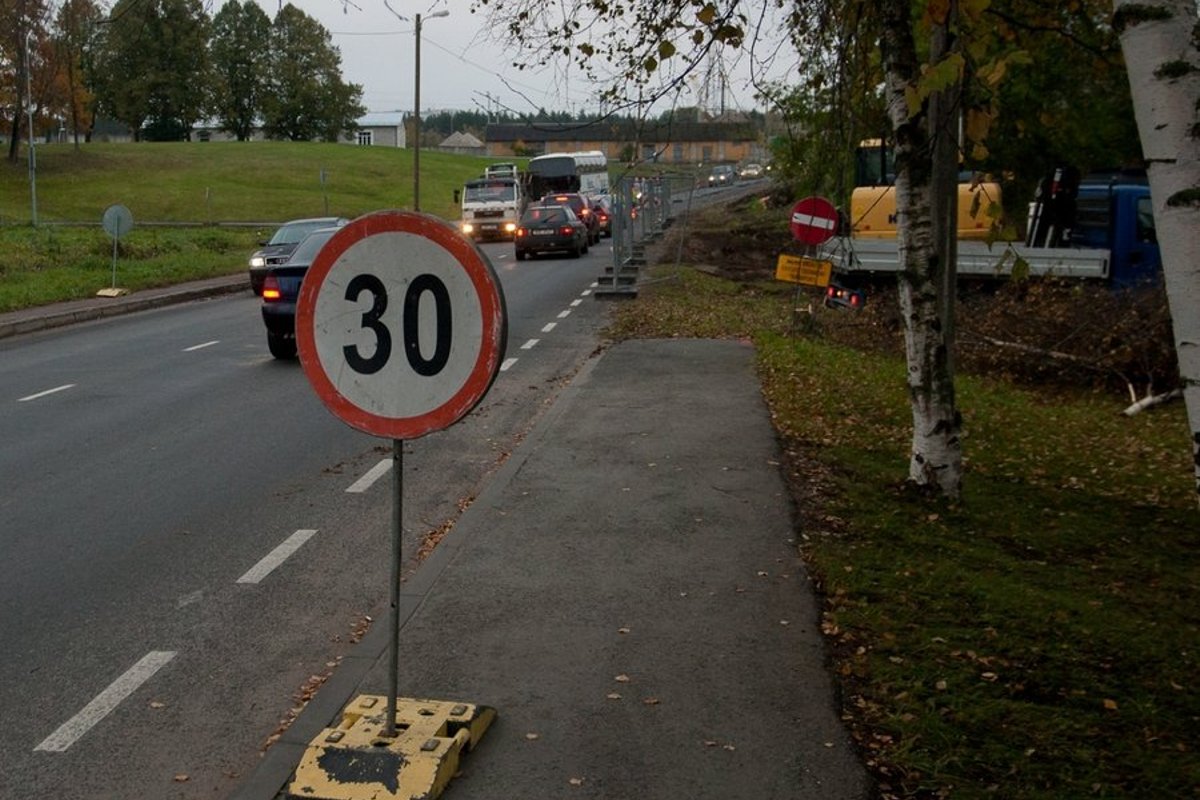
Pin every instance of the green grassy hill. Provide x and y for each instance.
(194, 185)
(207, 182)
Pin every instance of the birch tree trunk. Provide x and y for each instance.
(1157, 38)
(936, 459)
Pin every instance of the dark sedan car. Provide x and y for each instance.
(549, 228)
(281, 290)
(279, 247)
(581, 206)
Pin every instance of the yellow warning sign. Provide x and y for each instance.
(798, 269)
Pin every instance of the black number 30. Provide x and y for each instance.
(371, 320)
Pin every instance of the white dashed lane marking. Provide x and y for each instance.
(532, 343)
(55, 390)
(549, 326)
(373, 474)
(196, 347)
(507, 365)
(276, 557)
(70, 731)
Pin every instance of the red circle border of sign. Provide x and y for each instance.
(491, 301)
(813, 235)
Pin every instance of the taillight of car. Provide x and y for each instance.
(585, 212)
(521, 232)
(566, 230)
(831, 291)
(271, 290)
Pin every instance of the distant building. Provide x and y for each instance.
(462, 143)
(379, 129)
(629, 140)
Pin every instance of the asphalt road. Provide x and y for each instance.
(190, 540)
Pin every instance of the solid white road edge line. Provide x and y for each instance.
(196, 347)
(62, 388)
(276, 557)
(74, 728)
(368, 480)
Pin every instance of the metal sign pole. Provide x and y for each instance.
(397, 509)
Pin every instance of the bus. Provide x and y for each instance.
(585, 172)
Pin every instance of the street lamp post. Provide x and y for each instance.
(417, 112)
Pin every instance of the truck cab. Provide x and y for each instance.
(1115, 213)
(491, 207)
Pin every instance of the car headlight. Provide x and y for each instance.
(257, 261)
(467, 227)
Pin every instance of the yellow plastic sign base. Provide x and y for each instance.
(113, 292)
(807, 271)
(355, 761)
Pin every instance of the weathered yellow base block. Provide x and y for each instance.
(354, 761)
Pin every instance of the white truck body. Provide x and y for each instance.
(975, 258)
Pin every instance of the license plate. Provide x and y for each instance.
(542, 233)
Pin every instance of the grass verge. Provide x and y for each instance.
(1036, 640)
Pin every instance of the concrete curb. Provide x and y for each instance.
(61, 314)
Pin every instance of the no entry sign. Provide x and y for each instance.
(400, 324)
(814, 220)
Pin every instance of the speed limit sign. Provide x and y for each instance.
(400, 324)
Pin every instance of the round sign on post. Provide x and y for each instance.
(117, 221)
(814, 220)
(400, 324)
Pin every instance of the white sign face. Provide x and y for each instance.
(400, 324)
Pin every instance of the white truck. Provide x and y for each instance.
(492, 206)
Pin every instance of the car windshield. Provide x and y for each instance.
(312, 244)
(294, 232)
(545, 215)
(493, 191)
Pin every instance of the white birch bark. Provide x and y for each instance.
(1166, 106)
(936, 457)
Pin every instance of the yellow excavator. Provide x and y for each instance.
(873, 201)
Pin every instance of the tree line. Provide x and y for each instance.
(161, 66)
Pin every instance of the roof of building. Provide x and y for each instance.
(381, 119)
(461, 139)
(621, 131)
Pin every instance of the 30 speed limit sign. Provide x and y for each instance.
(400, 324)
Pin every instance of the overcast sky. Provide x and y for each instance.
(461, 65)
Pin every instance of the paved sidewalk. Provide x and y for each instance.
(626, 593)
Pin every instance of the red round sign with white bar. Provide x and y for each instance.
(814, 220)
(400, 324)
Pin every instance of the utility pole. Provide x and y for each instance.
(417, 113)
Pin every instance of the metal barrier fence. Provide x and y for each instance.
(642, 209)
